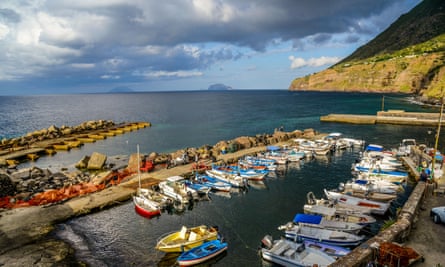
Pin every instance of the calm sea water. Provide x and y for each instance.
(119, 237)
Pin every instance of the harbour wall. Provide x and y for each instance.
(398, 117)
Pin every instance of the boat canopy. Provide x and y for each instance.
(307, 218)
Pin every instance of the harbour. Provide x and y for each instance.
(118, 228)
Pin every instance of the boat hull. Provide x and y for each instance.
(202, 253)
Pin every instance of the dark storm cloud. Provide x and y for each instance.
(87, 39)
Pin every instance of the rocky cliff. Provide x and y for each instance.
(408, 57)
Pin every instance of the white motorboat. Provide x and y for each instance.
(332, 237)
(176, 188)
(234, 180)
(319, 221)
(339, 214)
(288, 253)
(379, 208)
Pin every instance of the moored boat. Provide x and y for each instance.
(145, 207)
(202, 253)
(322, 222)
(176, 188)
(288, 253)
(379, 208)
(332, 237)
(186, 238)
(339, 214)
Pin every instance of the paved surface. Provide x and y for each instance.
(426, 237)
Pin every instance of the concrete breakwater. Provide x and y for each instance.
(52, 139)
(398, 117)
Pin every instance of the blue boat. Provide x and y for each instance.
(202, 253)
(214, 183)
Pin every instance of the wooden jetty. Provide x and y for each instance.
(399, 117)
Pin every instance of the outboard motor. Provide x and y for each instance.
(267, 241)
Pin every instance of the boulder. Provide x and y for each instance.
(133, 162)
(309, 133)
(97, 161)
(244, 141)
(83, 163)
(7, 187)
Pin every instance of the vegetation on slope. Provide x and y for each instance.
(409, 57)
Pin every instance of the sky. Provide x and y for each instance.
(93, 46)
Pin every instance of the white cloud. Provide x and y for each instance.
(83, 65)
(110, 77)
(298, 62)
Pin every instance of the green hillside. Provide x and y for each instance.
(408, 57)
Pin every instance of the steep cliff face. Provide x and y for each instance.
(408, 57)
(422, 74)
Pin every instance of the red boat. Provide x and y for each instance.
(145, 207)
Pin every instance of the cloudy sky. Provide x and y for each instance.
(80, 46)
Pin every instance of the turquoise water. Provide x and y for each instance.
(119, 237)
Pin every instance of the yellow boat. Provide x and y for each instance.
(186, 238)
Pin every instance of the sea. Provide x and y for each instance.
(117, 236)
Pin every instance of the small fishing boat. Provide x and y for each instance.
(142, 205)
(331, 250)
(378, 186)
(145, 207)
(202, 253)
(186, 238)
(375, 196)
(288, 253)
(234, 180)
(202, 189)
(338, 214)
(339, 206)
(331, 237)
(319, 221)
(379, 208)
(176, 188)
(214, 183)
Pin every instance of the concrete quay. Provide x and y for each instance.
(398, 117)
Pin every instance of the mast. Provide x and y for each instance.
(437, 140)
(139, 170)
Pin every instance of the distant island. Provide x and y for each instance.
(219, 87)
(121, 89)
